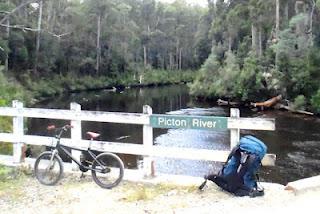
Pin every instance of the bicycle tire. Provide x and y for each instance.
(48, 175)
(112, 163)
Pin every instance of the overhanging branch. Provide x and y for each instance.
(19, 27)
(35, 30)
(58, 35)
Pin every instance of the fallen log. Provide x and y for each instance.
(227, 103)
(288, 108)
(269, 103)
(273, 102)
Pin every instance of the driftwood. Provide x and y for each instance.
(273, 102)
(281, 106)
(227, 103)
(269, 103)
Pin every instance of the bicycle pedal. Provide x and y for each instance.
(106, 170)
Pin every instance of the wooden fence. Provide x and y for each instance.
(235, 123)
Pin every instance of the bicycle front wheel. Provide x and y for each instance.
(107, 170)
(48, 170)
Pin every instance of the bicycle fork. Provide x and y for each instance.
(51, 163)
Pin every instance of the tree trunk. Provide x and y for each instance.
(180, 58)
(38, 36)
(254, 38)
(98, 43)
(164, 65)
(145, 56)
(177, 54)
(313, 4)
(260, 42)
(6, 63)
(300, 26)
(229, 43)
(299, 7)
(286, 14)
(145, 49)
(49, 15)
(277, 18)
(277, 31)
(170, 61)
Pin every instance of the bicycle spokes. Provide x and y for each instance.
(107, 170)
(48, 170)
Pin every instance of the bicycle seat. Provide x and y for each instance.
(93, 135)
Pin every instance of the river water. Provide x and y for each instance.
(296, 140)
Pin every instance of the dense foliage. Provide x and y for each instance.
(99, 37)
(261, 49)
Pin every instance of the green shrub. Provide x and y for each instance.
(299, 103)
(315, 101)
(6, 148)
(5, 172)
(206, 77)
(227, 80)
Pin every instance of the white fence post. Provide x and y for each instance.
(76, 134)
(18, 133)
(148, 167)
(234, 133)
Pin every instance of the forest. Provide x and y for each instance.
(240, 50)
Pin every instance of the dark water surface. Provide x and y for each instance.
(296, 141)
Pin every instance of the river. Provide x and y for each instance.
(296, 140)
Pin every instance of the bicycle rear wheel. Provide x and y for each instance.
(48, 170)
(107, 170)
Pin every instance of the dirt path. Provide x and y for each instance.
(75, 195)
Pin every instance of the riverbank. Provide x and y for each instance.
(52, 85)
(75, 195)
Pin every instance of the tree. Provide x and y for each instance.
(259, 11)
(38, 35)
(101, 9)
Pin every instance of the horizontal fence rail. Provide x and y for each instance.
(97, 116)
(146, 149)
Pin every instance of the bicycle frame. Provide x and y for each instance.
(65, 151)
(64, 148)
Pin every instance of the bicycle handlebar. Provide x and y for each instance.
(65, 127)
(68, 126)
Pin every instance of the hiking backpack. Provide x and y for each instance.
(239, 173)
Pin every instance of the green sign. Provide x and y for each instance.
(188, 122)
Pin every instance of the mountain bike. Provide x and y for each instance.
(106, 168)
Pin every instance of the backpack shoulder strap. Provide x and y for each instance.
(233, 152)
(249, 160)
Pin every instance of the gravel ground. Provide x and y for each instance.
(75, 195)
